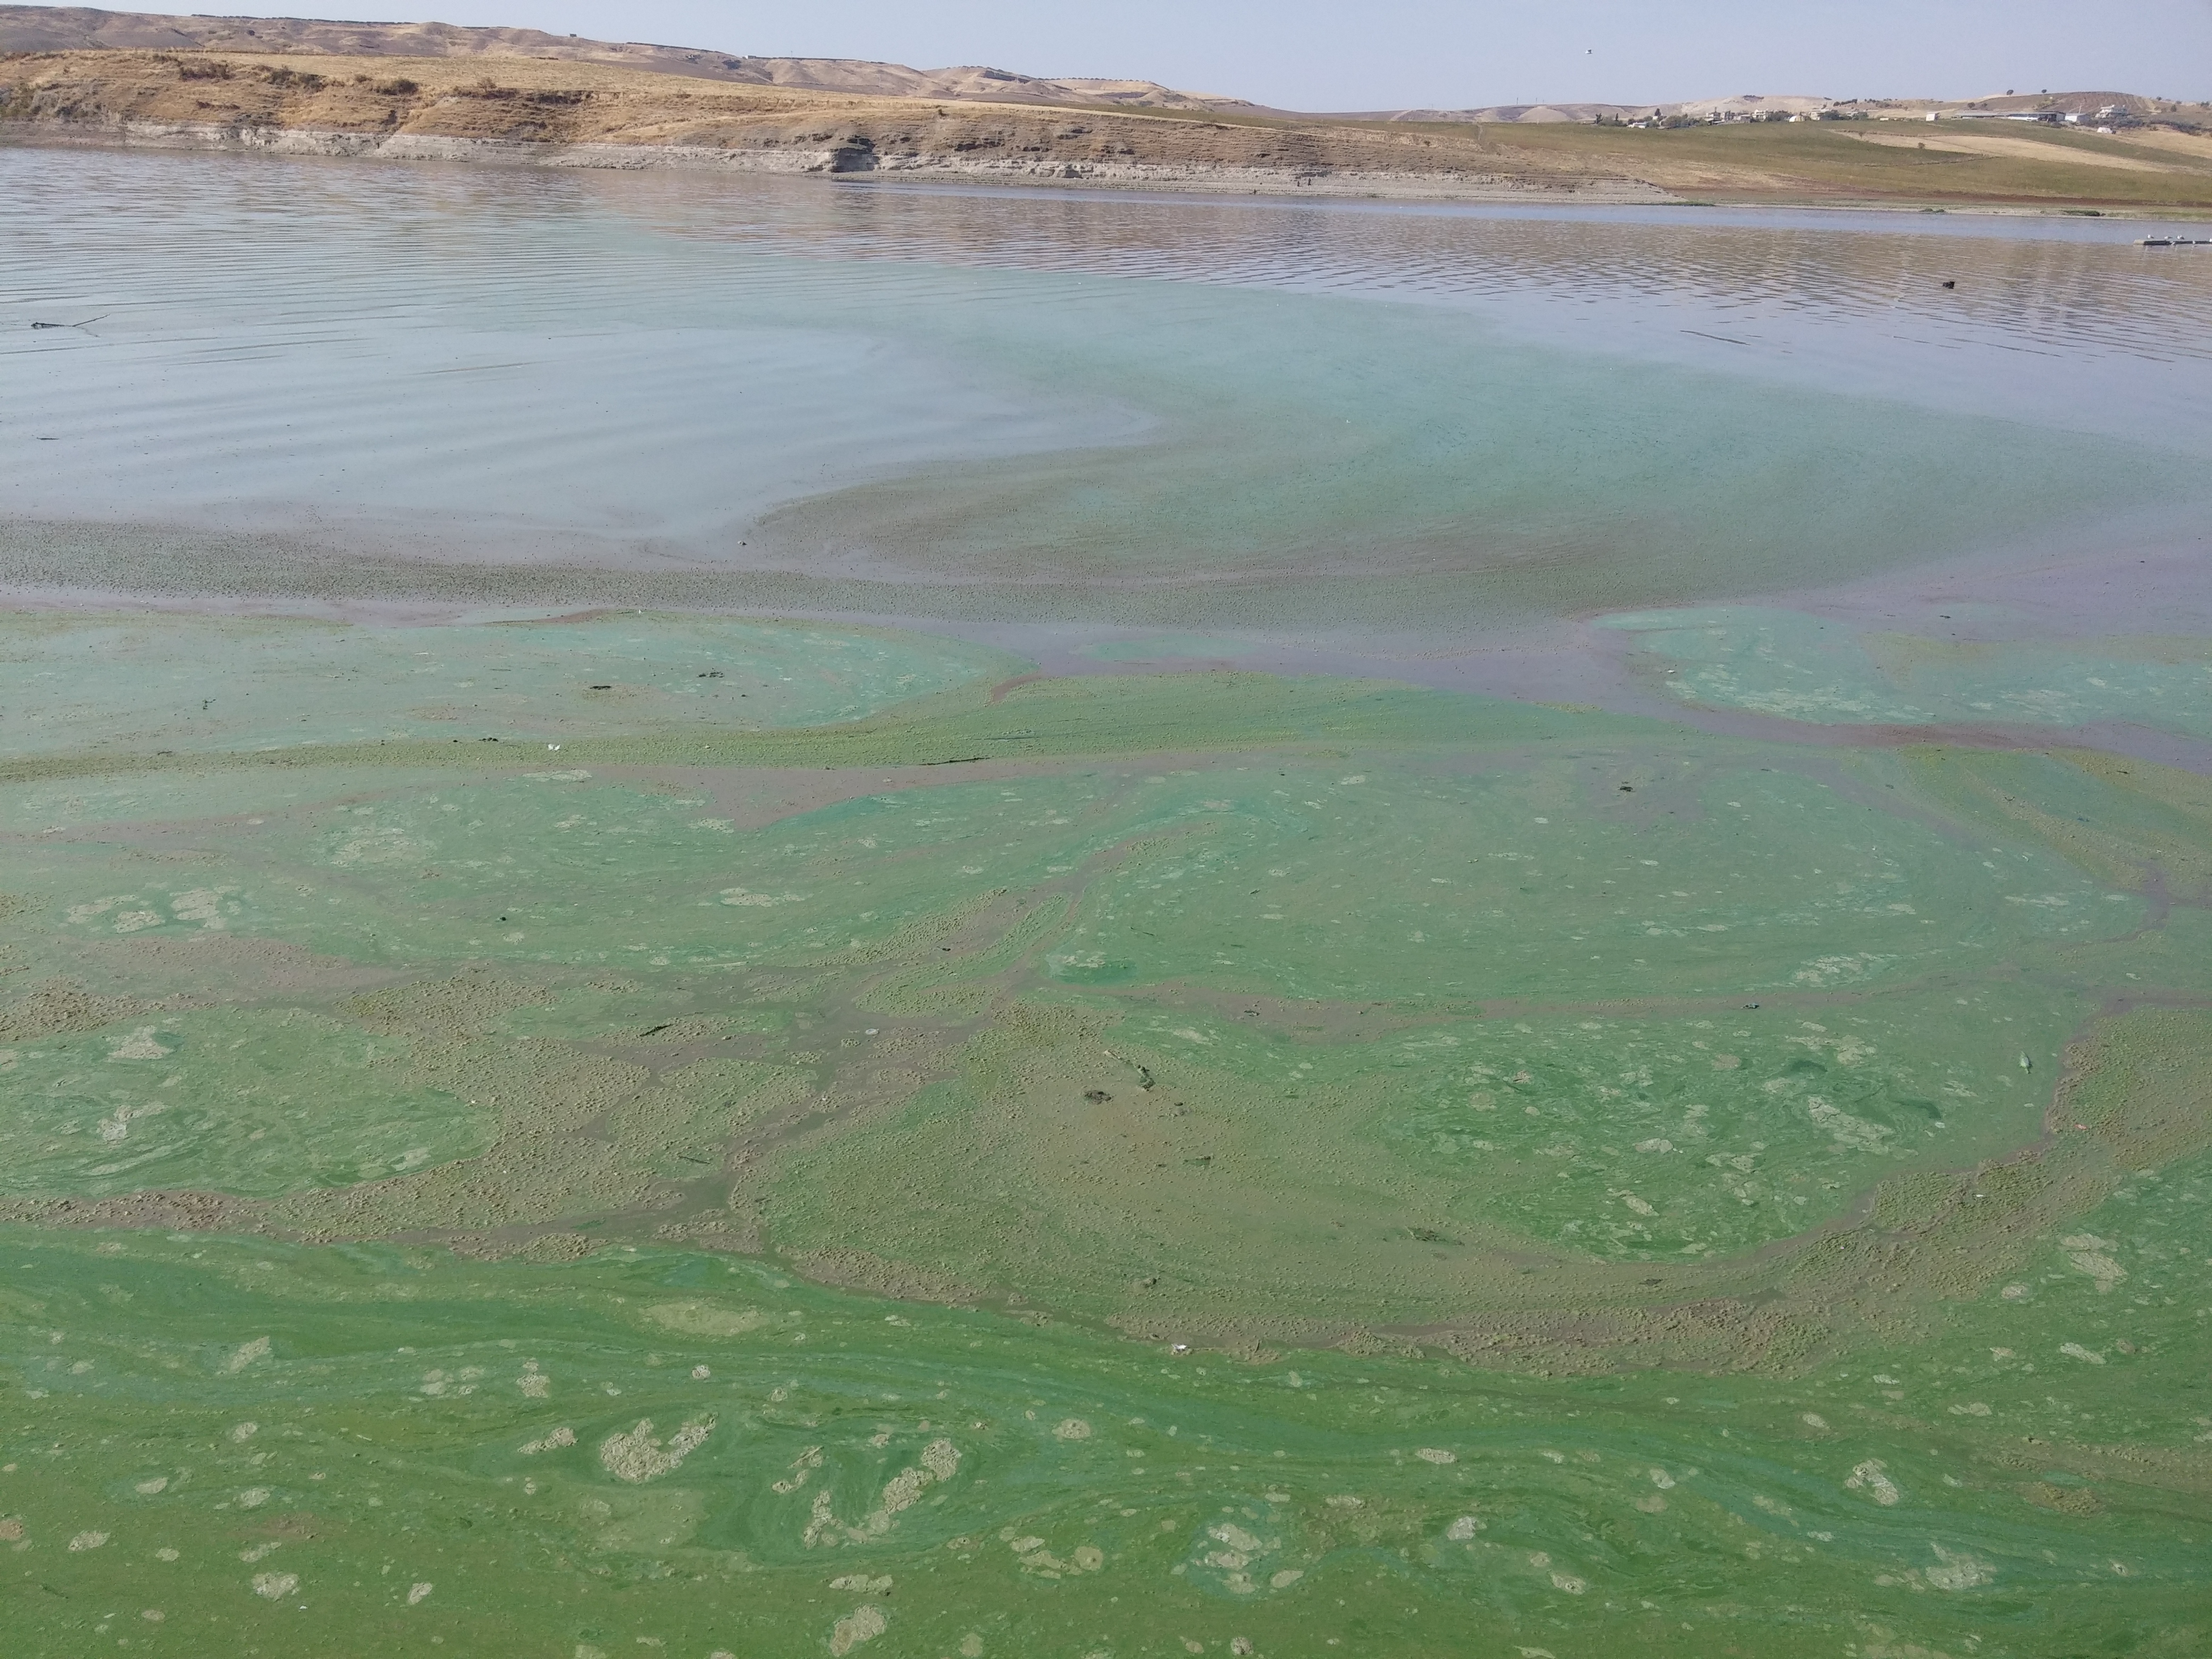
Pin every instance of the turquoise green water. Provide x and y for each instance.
(701, 402)
(186, 684)
(1382, 453)
(1805, 668)
(222, 1103)
(539, 866)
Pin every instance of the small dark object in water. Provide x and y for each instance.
(1750, 1005)
(1145, 1077)
(1430, 1236)
(650, 1031)
(1096, 1097)
(712, 674)
(486, 740)
(1948, 282)
(600, 688)
(1627, 789)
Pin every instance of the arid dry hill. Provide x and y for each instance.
(530, 109)
(563, 113)
(81, 28)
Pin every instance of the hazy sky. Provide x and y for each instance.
(1377, 54)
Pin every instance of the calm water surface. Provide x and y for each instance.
(1081, 410)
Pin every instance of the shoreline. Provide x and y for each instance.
(831, 162)
(1119, 178)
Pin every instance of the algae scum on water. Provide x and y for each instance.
(613, 1088)
(1244, 1164)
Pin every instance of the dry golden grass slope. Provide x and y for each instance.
(74, 28)
(563, 113)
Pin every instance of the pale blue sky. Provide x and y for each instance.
(1325, 54)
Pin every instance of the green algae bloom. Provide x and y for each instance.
(1407, 1170)
(753, 922)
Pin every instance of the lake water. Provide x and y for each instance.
(757, 916)
(1324, 420)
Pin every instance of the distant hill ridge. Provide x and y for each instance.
(79, 28)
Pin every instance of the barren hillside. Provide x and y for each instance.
(590, 114)
(86, 29)
(555, 112)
